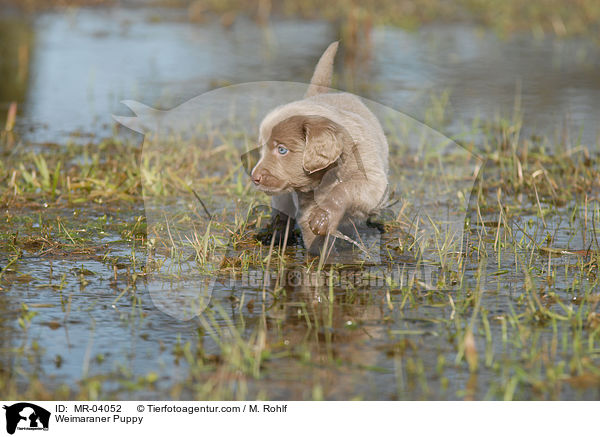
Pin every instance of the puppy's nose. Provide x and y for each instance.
(257, 177)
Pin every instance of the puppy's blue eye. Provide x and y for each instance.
(282, 150)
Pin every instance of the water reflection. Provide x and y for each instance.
(16, 39)
(552, 80)
(86, 61)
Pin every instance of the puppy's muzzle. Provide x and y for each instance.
(261, 177)
(257, 177)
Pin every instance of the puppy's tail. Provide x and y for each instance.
(321, 79)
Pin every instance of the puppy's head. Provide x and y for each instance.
(297, 153)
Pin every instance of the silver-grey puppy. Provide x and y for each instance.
(323, 158)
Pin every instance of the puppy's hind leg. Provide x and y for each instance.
(283, 207)
(285, 204)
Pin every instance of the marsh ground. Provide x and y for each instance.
(512, 312)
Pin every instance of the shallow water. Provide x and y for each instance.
(83, 63)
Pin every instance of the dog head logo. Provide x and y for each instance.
(26, 416)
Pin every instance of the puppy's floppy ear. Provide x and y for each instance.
(324, 142)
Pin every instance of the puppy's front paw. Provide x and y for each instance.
(318, 221)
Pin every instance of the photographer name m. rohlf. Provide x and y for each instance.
(274, 408)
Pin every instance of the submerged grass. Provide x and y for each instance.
(511, 310)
